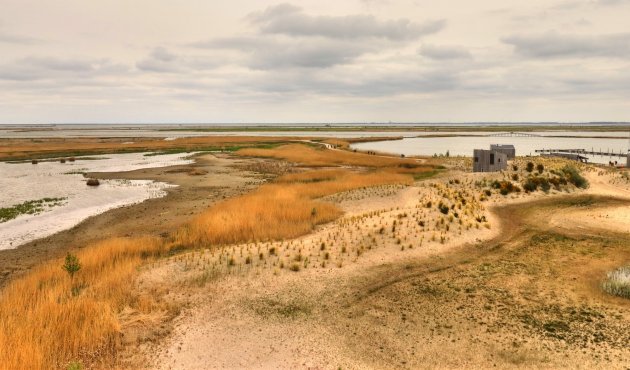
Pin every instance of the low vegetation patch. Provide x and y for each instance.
(574, 177)
(506, 187)
(618, 282)
(30, 207)
(274, 308)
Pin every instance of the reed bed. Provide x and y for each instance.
(50, 319)
(286, 208)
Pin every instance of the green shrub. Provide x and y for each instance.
(530, 167)
(74, 365)
(71, 264)
(544, 185)
(573, 176)
(530, 185)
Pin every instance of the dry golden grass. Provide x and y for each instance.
(44, 325)
(284, 209)
(321, 157)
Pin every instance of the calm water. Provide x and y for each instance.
(524, 145)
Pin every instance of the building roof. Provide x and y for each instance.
(502, 146)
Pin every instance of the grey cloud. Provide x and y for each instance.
(554, 45)
(243, 43)
(282, 52)
(444, 52)
(18, 39)
(290, 20)
(162, 60)
(159, 60)
(311, 54)
(163, 55)
(336, 83)
(56, 64)
(35, 68)
(612, 2)
(287, 37)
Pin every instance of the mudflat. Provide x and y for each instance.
(211, 178)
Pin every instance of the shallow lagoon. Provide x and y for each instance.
(24, 181)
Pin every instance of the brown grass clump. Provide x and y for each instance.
(49, 320)
(93, 182)
(197, 172)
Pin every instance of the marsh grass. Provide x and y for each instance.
(284, 209)
(45, 326)
(26, 149)
(30, 207)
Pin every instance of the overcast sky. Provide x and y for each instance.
(314, 61)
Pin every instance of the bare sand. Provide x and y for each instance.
(513, 291)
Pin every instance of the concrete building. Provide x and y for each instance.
(506, 149)
(489, 160)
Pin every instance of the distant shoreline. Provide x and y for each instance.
(331, 127)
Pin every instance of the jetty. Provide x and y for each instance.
(584, 152)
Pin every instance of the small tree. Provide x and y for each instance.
(530, 167)
(540, 168)
(71, 265)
